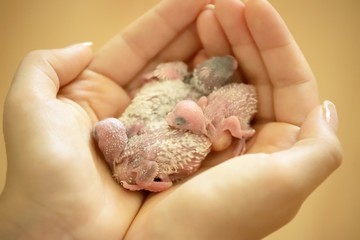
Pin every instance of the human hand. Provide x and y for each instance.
(58, 185)
(294, 150)
(231, 198)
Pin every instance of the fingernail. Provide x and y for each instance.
(83, 44)
(210, 6)
(87, 44)
(330, 114)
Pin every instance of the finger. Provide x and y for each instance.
(145, 38)
(295, 90)
(43, 72)
(278, 181)
(231, 17)
(317, 152)
(211, 34)
(182, 48)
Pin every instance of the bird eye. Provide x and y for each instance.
(180, 121)
(95, 134)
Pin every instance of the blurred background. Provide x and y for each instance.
(328, 32)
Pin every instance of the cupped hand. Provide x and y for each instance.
(58, 186)
(294, 150)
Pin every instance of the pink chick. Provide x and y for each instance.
(154, 159)
(224, 114)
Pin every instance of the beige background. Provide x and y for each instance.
(327, 31)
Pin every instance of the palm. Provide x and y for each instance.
(67, 173)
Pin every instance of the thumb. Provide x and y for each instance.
(317, 152)
(43, 72)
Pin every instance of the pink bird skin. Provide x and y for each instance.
(224, 114)
(142, 150)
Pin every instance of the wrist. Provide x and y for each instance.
(21, 219)
(13, 218)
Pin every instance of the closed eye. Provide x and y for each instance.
(180, 121)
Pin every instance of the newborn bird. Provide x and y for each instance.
(154, 159)
(169, 83)
(214, 73)
(224, 114)
(142, 151)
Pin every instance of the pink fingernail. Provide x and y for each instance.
(210, 6)
(87, 44)
(83, 44)
(330, 114)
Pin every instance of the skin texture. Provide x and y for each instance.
(224, 114)
(152, 159)
(58, 185)
(142, 151)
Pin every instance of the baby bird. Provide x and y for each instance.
(213, 73)
(224, 114)
(169, 83)
(154, 159)
(141, 149)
